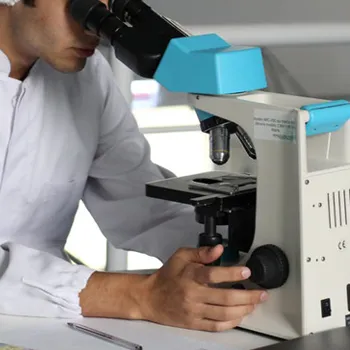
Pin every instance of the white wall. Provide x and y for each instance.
(209, 12)
(321, 71)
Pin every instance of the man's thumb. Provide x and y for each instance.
(207, 255)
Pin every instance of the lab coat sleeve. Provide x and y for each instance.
(35, 280)
(115, 191)
(37, 283)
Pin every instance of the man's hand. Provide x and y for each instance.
(179, 293)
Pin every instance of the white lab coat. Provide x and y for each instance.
(66, 137)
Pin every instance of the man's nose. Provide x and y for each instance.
(105, 2)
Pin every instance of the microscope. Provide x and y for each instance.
(288, 219)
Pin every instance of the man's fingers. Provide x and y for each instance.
(215, 326)
(219, 274)
(231, 297)
(202, 255)
(225, 314)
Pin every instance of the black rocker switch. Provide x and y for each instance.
(326, 307)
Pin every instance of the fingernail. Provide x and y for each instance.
(263, 296)
(245, 272)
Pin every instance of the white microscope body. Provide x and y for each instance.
(303, 206)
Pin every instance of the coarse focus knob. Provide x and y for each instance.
(269, 266)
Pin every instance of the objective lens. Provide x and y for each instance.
(219, 144)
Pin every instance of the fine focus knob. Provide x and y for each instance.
(269, 266)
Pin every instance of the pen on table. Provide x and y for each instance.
(108, 337)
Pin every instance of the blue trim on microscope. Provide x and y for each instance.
(207, 64)
(326, 117)
(202, 115)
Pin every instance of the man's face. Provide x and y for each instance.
(48, 31)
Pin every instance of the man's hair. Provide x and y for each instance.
(29, 2)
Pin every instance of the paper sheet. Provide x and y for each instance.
(54, 334)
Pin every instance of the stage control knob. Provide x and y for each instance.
(269, 266)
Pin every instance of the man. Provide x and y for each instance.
(67, 134)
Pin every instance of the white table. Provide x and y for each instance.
(54, 334)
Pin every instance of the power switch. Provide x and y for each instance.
(326, 307)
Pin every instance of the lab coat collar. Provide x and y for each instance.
(5, 65)
(5, 70)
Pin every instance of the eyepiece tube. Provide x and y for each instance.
(219, 144)
(94, 16)
(139, 50)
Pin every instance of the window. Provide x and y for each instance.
(172, 129)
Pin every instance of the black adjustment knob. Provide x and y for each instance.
(269, 266)
(210, 238)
